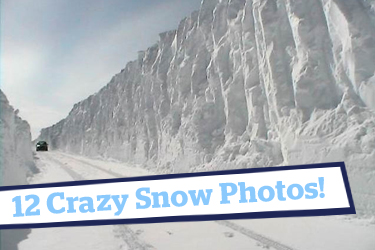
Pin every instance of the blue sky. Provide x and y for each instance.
(55, 53)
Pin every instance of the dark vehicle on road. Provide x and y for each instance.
(42, 146)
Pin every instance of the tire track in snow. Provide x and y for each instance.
(123, 231)
(251, 234)
(75, 176)
(245, 231)
(94, 166)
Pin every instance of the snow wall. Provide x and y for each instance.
(16, 161)
(242, 84)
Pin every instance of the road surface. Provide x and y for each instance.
(277, 234)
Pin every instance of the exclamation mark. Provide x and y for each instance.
(321, 185)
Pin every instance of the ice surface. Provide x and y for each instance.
(242, 84)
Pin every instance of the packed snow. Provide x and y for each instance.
(296, 233)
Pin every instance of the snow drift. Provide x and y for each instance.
(243, 84)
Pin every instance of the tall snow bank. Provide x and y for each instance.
(240, 84)
(15, 140)
(16, 161)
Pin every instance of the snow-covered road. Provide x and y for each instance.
(283, 233)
